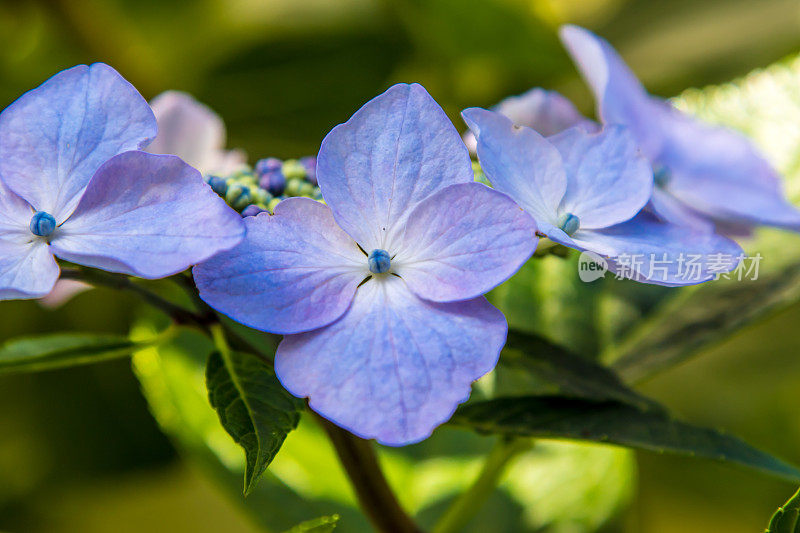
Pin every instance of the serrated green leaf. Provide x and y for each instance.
(787, 518)
(323, 524)
(560, 372)
(614, 423)
(172, 375)
(253, 408)
(765, 105)
(61, 350)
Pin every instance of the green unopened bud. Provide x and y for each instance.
(272, 204)
(233, 193)
(306, 189)
(293, 169)
(260, 196)
(293, 187)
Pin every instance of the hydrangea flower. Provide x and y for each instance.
(74, 185)
(378, 293)
(547, 112)
(586, 190)
(193, 132)
(706, 175)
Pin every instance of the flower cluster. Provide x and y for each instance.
(253, 190)
(372, 258)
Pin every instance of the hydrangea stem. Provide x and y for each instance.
(178, 314)
(470, 501)
(374, 494)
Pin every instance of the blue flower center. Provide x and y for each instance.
(42, 224)
(569, 223)
(661, 176)
(379, 261)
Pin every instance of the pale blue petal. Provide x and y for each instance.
(149, 216)
(462, 242)
(394, 366)
(718, 172)
(519, 162)
(608, 181)
(295, 271)
(193, 132)
(55, 137)
(662, 254)
(547, 112)
(15, 213)
(394, 152)
(670, 209)
(620, 97)
(27, 268)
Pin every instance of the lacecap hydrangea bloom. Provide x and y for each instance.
(378, 293)
(586, 191)
(73, 184)
(706, 176)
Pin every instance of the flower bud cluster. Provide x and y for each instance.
(253, 190)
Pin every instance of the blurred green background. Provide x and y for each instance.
(79, 449)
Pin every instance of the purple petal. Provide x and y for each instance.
(27, 268)
(547, 112)
(55, 137)
(608, 181)
(521, 163)
(15, 214)
(149, 216)
(719, 173)
(620, 97)
(394, 366)
(394, 152)
(670, 209)
(64, 291)
(193, 132)
(295, 271)
(462, 242)
(662, 254)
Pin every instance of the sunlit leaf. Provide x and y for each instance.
(61, 350)
(253, 407)
(173, 381)
(323, 524)
(614, 423)
(787, 518)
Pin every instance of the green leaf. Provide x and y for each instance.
(323, 524)
(304, 481)
(253, 407)
(546, 298)
(560, 372)
(787, 518)
(61, 350)
(614, 423)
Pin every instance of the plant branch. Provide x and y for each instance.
(374, 494)
(470, 501)
(178, 314)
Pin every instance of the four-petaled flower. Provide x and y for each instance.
(73, 184)
(706, 176)
(586, 190)
(379, 291)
